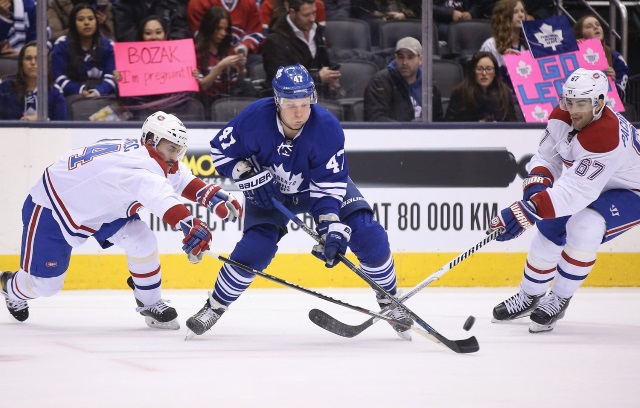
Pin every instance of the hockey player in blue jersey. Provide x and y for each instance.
(293, 150)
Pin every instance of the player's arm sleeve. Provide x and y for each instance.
(546, 160)
(185, 183)
(581, 185)
(228, 148)
(155, 193)
(329, 174)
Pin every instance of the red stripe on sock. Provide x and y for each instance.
(536, 270)
(145, 275)
(576, 262)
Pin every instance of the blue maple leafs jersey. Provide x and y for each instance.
(312, 165)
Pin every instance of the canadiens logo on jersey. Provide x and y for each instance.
(289, 183)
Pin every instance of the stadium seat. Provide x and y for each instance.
(447, 74)
(191, 110)
(347, 33)
(333, 107)
(225, 109)
(357, 110)
(82, 108)
(355, 77)
(466, 38)
(8, 66)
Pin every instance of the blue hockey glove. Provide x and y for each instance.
(259, 188)
(514, 219)
(219, 202)
(533, 184)
(196, 238)
(336, 239)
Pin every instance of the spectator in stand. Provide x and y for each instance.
(508, 37)
(17, 25)
(58, 15)
(223, 71)
(152, 28)
(272, 10)
(128, 14)
(295, 39)
(589, 27)
(395, 93)
(82, 62)
(247, 27)
(19, 93)
(446, 12)
(482, 96)
(337, 9)
(375, 12)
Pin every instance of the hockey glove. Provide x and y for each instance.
(336, 239)
(259, 188)
(219, 202)
(196, 238)
(533, 184)
(515, 219)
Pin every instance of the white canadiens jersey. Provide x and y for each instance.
(98, 184)
(604, 156)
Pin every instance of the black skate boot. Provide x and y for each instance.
(19, 309)
(398, 314)
(550, 309)
(518, 305)
(205, 318)
(158, 315)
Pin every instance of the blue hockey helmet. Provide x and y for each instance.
(293, 82)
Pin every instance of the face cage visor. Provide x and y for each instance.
(280, 100)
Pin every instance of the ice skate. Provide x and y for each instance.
(205, 318)
(159, 315)
(550, 309)
(19, 309)
(398, 314)
(517, 306)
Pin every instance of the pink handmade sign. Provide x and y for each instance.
(155, 67)
(538, 82)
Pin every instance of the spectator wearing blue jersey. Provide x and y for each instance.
(291, 149)
(395, 93)
(589, 27)
(82, 62)
(19, 93)
(17, 25)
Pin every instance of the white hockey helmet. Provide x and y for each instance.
(166, 126)
(585, 84)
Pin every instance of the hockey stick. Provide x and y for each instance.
(333, 325)
(323, 297)
(469, 345)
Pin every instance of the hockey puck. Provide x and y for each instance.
(469, 323)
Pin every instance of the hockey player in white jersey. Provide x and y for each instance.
(96, 191)
(594, 200)
(291, 149)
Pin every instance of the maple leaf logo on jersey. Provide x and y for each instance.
(548, 37)
(289, 183)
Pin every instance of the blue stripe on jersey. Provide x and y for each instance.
(61, 216)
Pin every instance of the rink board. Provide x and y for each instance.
(482, 270)
(433, 189)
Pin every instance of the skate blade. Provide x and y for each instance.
(541, 328)
(405, 335)
(189, 335)
(494, 320)
(154, 324)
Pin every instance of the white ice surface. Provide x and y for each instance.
(91, 349)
